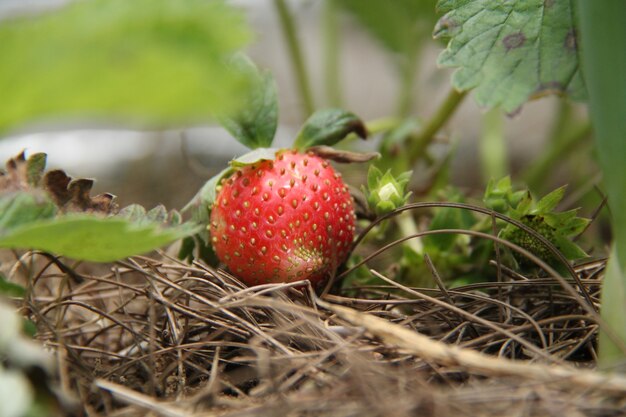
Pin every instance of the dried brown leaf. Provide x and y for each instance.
(70, 195)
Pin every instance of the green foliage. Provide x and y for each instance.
(513, 51)
(384, 192)
(603, 26)
(557, 227)
(499, 195)
(198, 246)
(328, 127)
(146, 62)
(448, 218)
(255, 124)
(91, 238)
(20, 208)
(257, 155)
(37, 212)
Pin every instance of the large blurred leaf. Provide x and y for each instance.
(93, 238)
(255, 124)
(398, 24)
(147, 62)
(603, 50)
(511, 51)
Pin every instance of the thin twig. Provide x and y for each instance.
(454, 356)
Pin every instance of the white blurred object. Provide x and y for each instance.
(12, 8)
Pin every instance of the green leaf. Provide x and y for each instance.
(448, 218)
(549, 201)
(200, 204)
(206, 195)
(613, 312)
(603, 30)
(21, 208)
(35, 165)
(200, 209)
(511, 51)
(11, 289)
(568, 248)
(148, 62)
(93, 238)
(397, 24)
(254, 125)
(257, 155)
(327, 127)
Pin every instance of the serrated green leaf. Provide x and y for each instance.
(157, 214)
(257, 155)
(133, 213)
(549, 202)
(91, 238)
(255, 124)
(327, 127)
(151, 63)
(175, 219)
(512, 51)
(35, 166)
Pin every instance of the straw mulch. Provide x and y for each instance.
(154, 336)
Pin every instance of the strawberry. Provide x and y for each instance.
(283, 220)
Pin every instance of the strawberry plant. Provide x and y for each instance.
(492, 256)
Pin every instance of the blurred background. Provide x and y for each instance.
(350, 63)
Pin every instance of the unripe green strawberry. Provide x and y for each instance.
(529, 242)
(283, 220)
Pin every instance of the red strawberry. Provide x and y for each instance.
(283, 220)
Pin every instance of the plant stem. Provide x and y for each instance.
(295, 53)
(331, 53)
(382, 125)
(417, 144)
(408, 71)
(493, 146)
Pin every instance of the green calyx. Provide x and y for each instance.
(384, 192)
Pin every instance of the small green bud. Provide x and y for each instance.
(385, 192)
